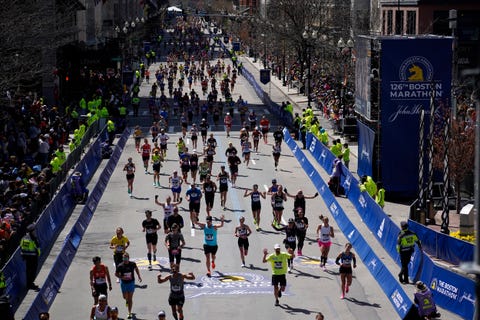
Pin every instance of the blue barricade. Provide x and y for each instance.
(55, 278)
(448, 284)
(49, 224)
(392, 289)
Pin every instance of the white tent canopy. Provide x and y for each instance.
(174, 9)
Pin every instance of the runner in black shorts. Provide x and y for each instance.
(223, 178)
(242, 231)
(130, 169)
(256, 204)
(150, 227)
(209, 189)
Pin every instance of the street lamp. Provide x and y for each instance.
(264, 36)
(345, 49)
(309, 37)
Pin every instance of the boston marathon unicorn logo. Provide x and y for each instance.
(416, 69)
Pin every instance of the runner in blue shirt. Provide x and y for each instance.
(194, 195)
(210, 245)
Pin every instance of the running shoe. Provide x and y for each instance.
(258, 228)
(277, 303)
(150, 267)
(243, 265)
(154, 257)
(213, 265)
(154, 184)
(289, 270)
(342, 296)
(209, 274)
(129, 316)
(158, 184)
(299, 252)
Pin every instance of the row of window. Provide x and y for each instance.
(393, 22)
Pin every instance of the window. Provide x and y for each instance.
(411, 22)
(389, 21)
(399, 22)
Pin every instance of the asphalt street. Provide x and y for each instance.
(232, 291)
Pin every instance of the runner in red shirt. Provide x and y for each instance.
(228, 123)
(265, 127)
(99, 278)
(146, 150)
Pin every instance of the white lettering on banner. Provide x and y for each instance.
(380, 230)
(362, 201)
(52, 222)
(322, 189)
(398, 301)
(295, 149)
(444, 288)
(350, 235)
(373, 263)
(312, 145)
(311, 173)
(333, 209)
(405, 110)
(468, 297)
(365, 153)
(323, 155)
(346, 184)
(49, 294)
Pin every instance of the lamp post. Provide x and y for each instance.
(264, 36)
(309, 37)
(345, 49)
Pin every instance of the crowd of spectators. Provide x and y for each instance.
(32, 133)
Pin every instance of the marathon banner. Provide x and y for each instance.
(412, 71)
(388, 282)
(382, 227)
(49, 225)
(366, 141)
(52, 284)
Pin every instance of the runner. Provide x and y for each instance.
(154, 131)
(100, 310)
(231, 150)
(242, 231)
(180, 146)
(209, 189)
(265, 127)
(137, 135)
(175, 218)
(344, 260)
(150, 227)
(119, 244)
(277, 201)
(176, 299)
(99, 277)
(233, 162)
(325, 233)
(256, 204)
(256, 136)
(276, 152)
(194, 195)
(204, 126)
(204, 169)
(175, 183)
(210, 246)
(168, 207)
(126, 272)
(185, 164)
(184, 124)
(163, 137)
(290, 240)
(194, 166)
(278, 135)
(209, 152)
(130, 169)
(223, 178)
(212, 141)
(228, 123)
(246, 150)
(194, 136)
(302, 225)
(174, 242)
(146, 149)
(299, 202)
(157, 159)
(278, 260)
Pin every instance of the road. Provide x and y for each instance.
(232, 292)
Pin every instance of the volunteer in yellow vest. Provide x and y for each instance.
(60, 153)
(324, 136)
(346, 155)
(111, 131)
(30, 252)
(367, 184)
(3, 283)
(56, 166)
(380, 195)
(405, 246)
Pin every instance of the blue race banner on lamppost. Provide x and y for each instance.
(412, 70)
(265, 76)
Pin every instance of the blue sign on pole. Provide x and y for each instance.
(265, 76)
(236, 46)
(366, 139)
(412, 70)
